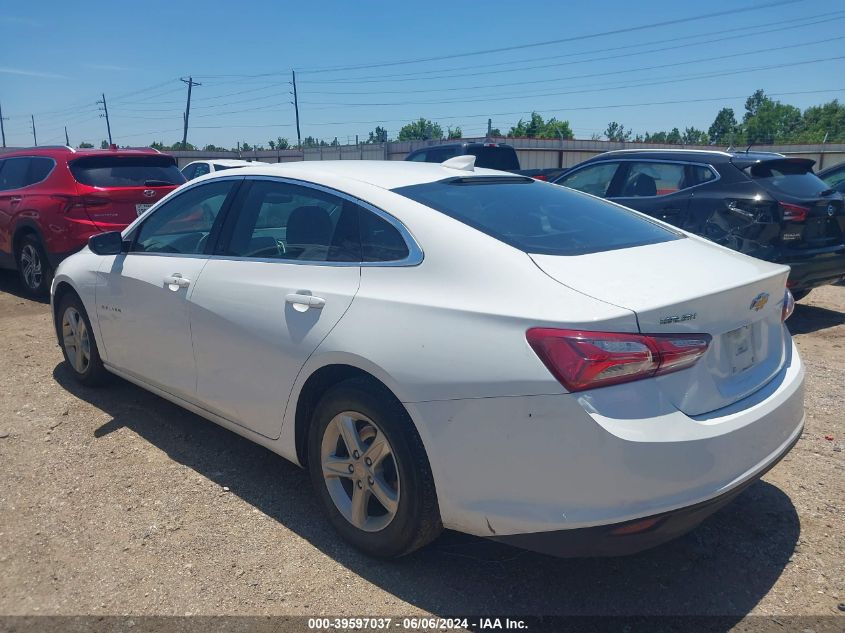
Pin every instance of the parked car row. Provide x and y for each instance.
(199, 168)
(760, 203)
(442, 345)
(52, 199)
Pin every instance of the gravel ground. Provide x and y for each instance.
(114, 501)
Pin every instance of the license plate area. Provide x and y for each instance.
(140, 208)
(739, 345)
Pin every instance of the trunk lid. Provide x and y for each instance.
(689, 285)
(115, 189)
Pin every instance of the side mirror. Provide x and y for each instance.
(110, 243)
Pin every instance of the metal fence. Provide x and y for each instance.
(533, 153)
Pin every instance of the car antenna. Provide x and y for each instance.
(748, 148)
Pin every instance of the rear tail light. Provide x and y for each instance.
(793, 212)
(71, 203)
(585, 360)
(541, 177)
(788, 305)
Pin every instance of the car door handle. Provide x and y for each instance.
(308, 301)
(15, 199)
(176, 281)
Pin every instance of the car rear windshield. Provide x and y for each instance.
(127, 171)
(503, 158)
(538, 217)
(792, 177)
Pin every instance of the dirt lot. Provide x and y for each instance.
(114, 501)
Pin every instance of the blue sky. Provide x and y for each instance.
(56, 58)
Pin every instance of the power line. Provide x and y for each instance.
(826, 18)
(406, 78)
(573, 38)
(673, 79)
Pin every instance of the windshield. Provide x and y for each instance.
(127, 171)
(792, 177)
(538, 217)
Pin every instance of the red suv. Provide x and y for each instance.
(52, 199)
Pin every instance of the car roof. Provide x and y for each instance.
(229, 162)
(691, 155)
(386, 174)
(70, 153)
(461, 144)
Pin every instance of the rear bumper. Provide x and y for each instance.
(630, 537)
(816, 271)
(538, 470)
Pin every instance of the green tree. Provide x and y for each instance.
(85, 145)
(769, 121)
(724, 128)
(104, 144)
(379, 135)
(536, 127)
(213, 148)
(420, 130)
(495, 132)
(454, 133)
(694, 136)
(823, 120)
(617, 132)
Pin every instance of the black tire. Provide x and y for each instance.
(416, 521)
(33, 267)
(93, 373)
(800, 294)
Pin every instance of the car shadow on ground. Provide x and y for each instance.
(724, 567)
(10, 283)
(811, 318)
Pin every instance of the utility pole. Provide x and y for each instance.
(296, 109)
(105, 109)
(489, 127)
(191, 83)
(2, 129)
(34, 139)
(67, 139)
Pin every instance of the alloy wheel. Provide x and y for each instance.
(360, 471)
(31, 266)
(77, 342)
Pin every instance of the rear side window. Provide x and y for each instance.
(218, 167)
(13, 174)
(653, 179)
(279, 220)
(127, 171)
(380, 240)
(503, 158)
(538, 217)
(792, 177)
(39, 169)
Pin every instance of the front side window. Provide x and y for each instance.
(201, 170)
(183, 224)
(188, 171)
(419, 157)
(278, 220)
(653, 179)
(14, 173)
(594, 179)
(538, 217)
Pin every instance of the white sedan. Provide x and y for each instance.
(444, 346)
(199, 168)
